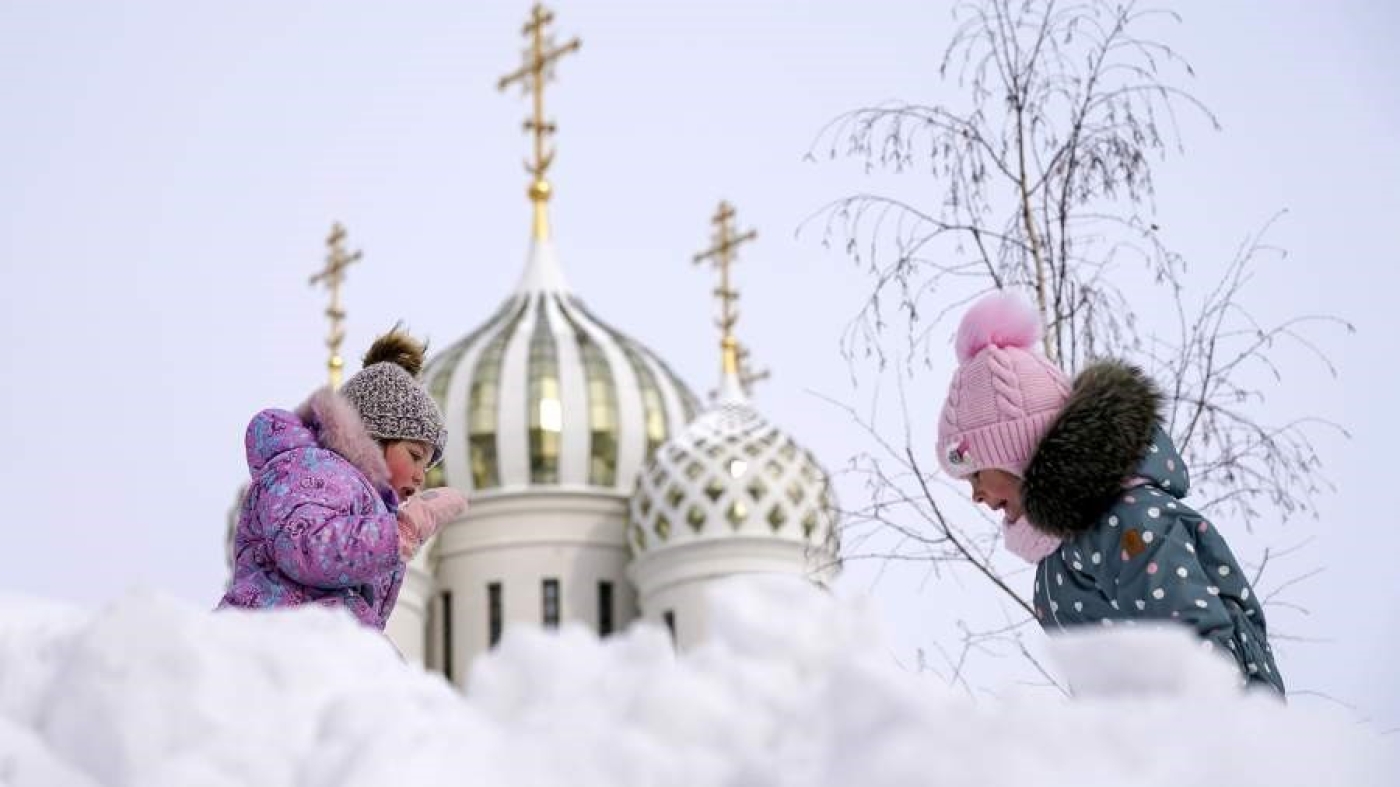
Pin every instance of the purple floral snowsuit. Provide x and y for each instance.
(319, 521)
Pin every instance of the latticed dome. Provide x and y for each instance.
(731, 472)
(546, 394)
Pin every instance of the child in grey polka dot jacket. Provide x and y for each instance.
(1091, 488)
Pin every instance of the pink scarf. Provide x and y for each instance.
(1033, 546)
(1026, 542)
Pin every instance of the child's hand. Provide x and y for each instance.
(424, 515)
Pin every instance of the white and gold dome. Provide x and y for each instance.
(545, 394)
(729, 495)
(550, 413)
(731, 474)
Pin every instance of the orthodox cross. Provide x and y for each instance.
(722, 254)
(333, 275)
(532, 75)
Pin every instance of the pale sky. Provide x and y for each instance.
(170, 169)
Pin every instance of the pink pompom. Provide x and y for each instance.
(1000, 319)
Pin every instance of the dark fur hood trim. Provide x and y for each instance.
(1096, 443)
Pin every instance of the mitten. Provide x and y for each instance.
(424, 515)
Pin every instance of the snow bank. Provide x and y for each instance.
(798, 688)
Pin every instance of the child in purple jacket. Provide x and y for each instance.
(335, 508)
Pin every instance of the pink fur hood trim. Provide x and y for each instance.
(339, 428)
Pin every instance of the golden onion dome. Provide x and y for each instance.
(544, 393)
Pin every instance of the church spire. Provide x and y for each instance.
(532, 75)
(333, 275)
(735, 374)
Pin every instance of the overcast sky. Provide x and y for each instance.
(169, 170)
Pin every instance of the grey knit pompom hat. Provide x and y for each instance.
(392, 403)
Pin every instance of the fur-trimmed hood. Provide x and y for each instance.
(327, 420)
(1107, 434)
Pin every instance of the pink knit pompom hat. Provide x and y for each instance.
(1004, 394)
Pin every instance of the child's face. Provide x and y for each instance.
(408, 465)
(999, 491)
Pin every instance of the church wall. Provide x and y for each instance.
(518, 541)
(678, 579)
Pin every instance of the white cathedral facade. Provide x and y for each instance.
(602, 491)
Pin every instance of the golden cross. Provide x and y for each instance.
(337, 260)
(537, 69)
(721, 254)
(747, 376)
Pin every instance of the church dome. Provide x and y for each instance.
(544, 394)
(733, 474)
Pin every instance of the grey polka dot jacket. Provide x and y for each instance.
(1108, 479)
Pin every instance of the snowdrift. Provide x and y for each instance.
(798, 688)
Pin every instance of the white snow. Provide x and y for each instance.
(798, 688)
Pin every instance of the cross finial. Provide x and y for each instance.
(747, 375)
(333, 275)
(721, 255)
(537, 69)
